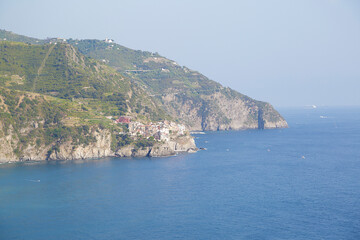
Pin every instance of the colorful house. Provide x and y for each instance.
(123, 120)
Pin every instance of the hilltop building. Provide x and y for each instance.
(108, 40)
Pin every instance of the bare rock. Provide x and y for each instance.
(223, 110)
(125, 151)
(163, 149)
(141, 152)
(100, 148)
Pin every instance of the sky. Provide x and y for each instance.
(286, 52)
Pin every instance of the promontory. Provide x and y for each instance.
(68, 99)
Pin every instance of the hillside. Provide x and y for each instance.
(187, 95)
(184, 94)
(10, 36)
(61, 71)
(35, 125)
(55, 103)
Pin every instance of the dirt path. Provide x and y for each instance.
(20, 101)
(41, 67)
(2, 103)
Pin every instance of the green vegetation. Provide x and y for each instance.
(53, 91)
(156, 75)
(51, 94)
(160, 76)
(151, 70)
(36, 120)
(142, 143)
(78, 135)
(117, 56)
(9, 36)
(59, 70)
(41, 121)
(120, 140)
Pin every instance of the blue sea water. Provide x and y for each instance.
(297, 183)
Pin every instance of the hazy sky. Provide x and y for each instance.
(287, 52)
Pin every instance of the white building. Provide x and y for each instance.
(108, 40)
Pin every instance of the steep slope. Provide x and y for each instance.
(186, 95)
(10, 36)
(191, 97)
(59, 70)
(56, 103)
(34, 127)
(39, 127)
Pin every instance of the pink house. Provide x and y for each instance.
(123, 120)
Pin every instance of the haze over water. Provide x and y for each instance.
(296, 183)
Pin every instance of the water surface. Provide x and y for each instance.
(296, 183)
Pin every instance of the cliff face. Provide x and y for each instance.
(219, 111)
(180, 144)
(65, 151)
(36, 127)
(7, 145)
(101, 147)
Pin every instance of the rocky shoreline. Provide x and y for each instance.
(98, 149)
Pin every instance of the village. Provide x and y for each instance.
(161, 131)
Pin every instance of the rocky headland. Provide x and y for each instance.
(63, 99)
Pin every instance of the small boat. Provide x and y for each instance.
(197, 133)
(32, 180)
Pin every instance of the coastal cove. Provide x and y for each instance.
(301, 182)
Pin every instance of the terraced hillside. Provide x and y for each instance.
(61, 71)
(184, 94)
(55, 103)
(187, 95)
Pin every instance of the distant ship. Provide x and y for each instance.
(311, 106)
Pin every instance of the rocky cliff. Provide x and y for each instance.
(59, 100)
(101, 147)
(36, 127)
(219, 111)
(180, 144)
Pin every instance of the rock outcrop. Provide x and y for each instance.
(223, 110)
(101, 147)
(179, 144)
(7, 145)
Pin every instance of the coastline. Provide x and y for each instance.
(102, 149)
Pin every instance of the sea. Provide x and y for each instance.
(302, 182)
